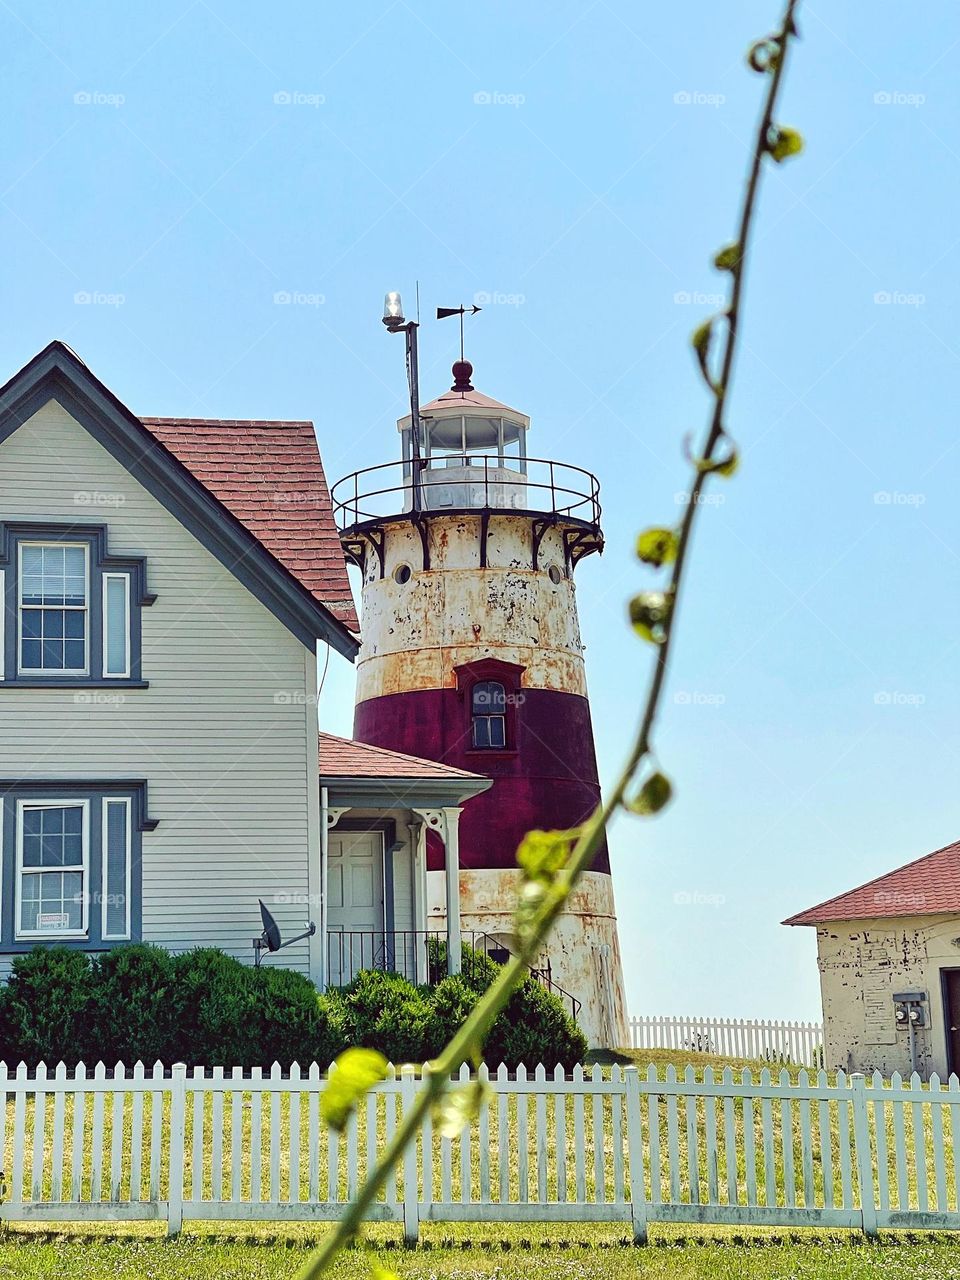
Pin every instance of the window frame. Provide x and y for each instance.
(509, 674)
(105, 804)
(488, 717)
(101, 568)
(108, 576)
(17, 795)
(56, 673)
(51, 935)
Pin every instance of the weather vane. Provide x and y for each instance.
(461, 311)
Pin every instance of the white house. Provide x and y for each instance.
(889, 959)
(165, 586)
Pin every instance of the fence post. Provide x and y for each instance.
(638, 1200)
(178, 1106)
(411, 1178)
(861, 1135)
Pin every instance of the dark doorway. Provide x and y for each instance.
(950, 981)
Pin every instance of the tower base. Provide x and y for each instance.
(583, 951)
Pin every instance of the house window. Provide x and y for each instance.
(71, 863)
(488, 704)
(53, 859)
(71, 611)
(54, 589)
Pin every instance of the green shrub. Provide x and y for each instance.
(534, 1027)
(45, 1008)
(133, 1009)
(452, 1002)
(204, 1008)
(385, 1011)
(477, 968)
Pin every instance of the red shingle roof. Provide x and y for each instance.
(269, 475)
(928, 886)
(344, 758)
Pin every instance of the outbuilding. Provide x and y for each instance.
(889, 959)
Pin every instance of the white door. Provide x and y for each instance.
(355, 938)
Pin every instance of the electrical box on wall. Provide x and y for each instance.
(908, 1009)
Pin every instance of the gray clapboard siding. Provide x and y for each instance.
(226, 733)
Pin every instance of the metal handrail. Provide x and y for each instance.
(395, 951)
(352, 500)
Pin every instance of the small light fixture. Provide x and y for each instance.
(393, 312)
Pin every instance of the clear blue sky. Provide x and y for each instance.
(586, 197)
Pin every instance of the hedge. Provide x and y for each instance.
(140, 1003)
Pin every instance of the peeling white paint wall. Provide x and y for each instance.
(862, 963)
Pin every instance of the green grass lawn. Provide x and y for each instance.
(503, 1254)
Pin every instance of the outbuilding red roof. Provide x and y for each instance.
(269, 475)
(344, 758)
(929, 886)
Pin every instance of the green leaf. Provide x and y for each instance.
(379, 1273)
(783, 142)
(532, 897)
(458, 1109)
(764, 55)
(652, 796)
(700, 340)
(649, 614)
(542, 854)
(357, 1071)
(726, 466)
(728, 259)
(657, 546)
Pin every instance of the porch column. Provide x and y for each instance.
(452, 885)
(418, 843)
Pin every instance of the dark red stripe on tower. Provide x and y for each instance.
(546, 777)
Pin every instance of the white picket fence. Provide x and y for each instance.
(800, 1043)
(603, 1145)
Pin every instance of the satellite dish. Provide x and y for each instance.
(271, 930)
(270, 939)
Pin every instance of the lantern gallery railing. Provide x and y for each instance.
(467, 482)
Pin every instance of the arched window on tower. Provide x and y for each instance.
(488, 707)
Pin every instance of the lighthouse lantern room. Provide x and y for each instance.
(471, 655)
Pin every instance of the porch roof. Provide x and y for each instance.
(365, 774)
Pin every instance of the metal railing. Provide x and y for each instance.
(420, 956)
(473, 483)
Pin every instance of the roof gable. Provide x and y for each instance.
(271, 573)
(928, 886)
(270, 476)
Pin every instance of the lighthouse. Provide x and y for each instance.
(471, 655)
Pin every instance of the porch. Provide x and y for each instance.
(377, 807)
